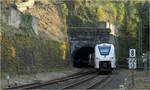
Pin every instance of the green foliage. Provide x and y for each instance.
(120, 14)
(128, 25)
(64, 9)
(77, 20)
(26, 21)
(143, 12)
(86, 13)
(106, 12)
(80, 15)
(4, 13)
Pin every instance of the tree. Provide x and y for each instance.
(143, 12)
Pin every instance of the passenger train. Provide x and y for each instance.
(105, 59)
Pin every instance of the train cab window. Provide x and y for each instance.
(104, 50)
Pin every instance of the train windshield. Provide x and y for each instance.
(104, 50)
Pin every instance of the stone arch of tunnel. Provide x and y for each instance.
(81, 55)
(83, 40)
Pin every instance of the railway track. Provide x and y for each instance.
(90, 83)
(41, 84)
(81, 80)
(100, 82)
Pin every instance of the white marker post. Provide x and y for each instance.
(132, 59)
(132, 53)
(132, 62)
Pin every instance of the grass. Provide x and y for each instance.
(49, 70)
(141, 80)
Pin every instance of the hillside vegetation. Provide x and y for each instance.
(25, 53)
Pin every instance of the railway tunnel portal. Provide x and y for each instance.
(82, 41)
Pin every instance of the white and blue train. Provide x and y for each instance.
(105, 59)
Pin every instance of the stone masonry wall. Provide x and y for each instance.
(14, 19)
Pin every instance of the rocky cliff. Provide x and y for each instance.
(50, 21)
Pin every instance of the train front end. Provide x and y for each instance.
(105, 59)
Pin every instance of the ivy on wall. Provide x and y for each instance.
(24, 53)
(26, 21)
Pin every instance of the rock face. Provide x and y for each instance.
(24, 5)
(47, 18)
(50, 21)
(14, 17)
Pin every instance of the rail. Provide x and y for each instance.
(40, 84)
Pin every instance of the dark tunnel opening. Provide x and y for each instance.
(83, 57)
